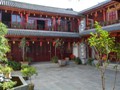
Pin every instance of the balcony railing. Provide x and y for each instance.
(18, 25)
(103, 23)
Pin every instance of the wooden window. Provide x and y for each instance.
(31, 23)
(111, 15)
(16, 21)
(16, 18)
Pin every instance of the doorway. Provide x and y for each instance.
(6, 18)
(40, 24)
(69, 25)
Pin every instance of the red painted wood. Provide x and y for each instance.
(16, 52)
(39, 53)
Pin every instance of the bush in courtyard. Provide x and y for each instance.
(78, 60)
(90, 61)
(103, 44)
(4, 46)
(15, 65)
(55, 59)
(72, 57)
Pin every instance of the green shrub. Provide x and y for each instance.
(78, 60)
(29, 59)
(8, 85)
(15, 65)
(28, 71)
(25, 66)
(90, 61)
(55, 59)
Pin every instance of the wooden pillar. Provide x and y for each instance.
(87, 20)
(104, 15)
(54, 23)
(65, 24)
(95, 15)
(46, 24)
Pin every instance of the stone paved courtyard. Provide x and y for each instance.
(72, 77)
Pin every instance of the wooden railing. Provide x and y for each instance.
(103, 23)
(18, 25)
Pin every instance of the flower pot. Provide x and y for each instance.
(8, 75)
(62, 62)
(26, 78)
(31, 86)
(67, 60)
(25, 63)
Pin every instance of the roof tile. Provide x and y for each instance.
(37, 7)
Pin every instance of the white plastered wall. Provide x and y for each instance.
(75, 50)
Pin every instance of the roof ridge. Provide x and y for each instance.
(95, 6)
(38, 5)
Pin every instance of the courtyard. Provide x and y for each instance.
(72, 77)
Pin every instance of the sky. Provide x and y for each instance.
(77, 5)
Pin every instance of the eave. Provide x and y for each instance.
(109, 28)
(41, 33)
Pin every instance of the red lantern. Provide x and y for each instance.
(40, 43)
(78, 21)
(54, 43)
(59, 20)
(27, 43)
(21, 15)
(68, 45)
(26, 17)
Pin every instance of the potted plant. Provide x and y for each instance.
(90, 61)
(78, 60)
(60, 44)
(24, 49)
(54, 59)
(8, 85)
(29, 71)
(102, 44)
(5, 82)
(7, 71)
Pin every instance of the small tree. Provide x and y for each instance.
(4, 46)
(23, 47)
(103, 44)
(59, 44)
(29, 71)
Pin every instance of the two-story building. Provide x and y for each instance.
(107, 14)
(42, 25)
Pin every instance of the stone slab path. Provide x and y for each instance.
(72, 77)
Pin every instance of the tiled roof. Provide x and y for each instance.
(95, 6)
(109, 28)
(36, 7)
(38, 33)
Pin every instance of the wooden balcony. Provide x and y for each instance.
(104, 23)
(28, 26)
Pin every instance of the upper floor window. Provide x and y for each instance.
(16, 18)
(82, 25)
(31, 23)
(111, 14)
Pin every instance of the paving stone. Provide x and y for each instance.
(72, 77)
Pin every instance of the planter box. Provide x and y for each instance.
(63, 62)
(24, 63)
(21, 84)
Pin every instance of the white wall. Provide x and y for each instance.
(75, 50)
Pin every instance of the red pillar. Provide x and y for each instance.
(104, 15)
(87, 20)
